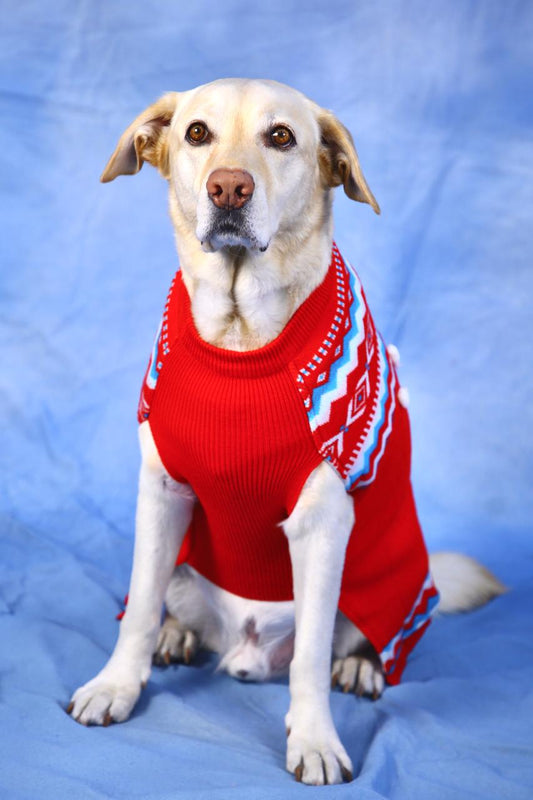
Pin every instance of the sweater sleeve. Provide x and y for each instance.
(348, 387)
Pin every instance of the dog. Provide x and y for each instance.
(273, 430)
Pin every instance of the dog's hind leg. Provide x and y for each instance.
(356, 664)
(175, 643)
(188, 618)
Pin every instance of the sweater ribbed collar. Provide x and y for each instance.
(303, 332)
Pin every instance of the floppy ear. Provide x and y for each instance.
(338, 160)
(146, 139)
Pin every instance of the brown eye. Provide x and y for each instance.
(282, 137)
(197, 133)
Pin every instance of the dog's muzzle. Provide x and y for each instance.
(230, 192)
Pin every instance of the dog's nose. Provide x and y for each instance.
(242, 674)
(230, 188)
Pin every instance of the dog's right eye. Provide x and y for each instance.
(197, 133)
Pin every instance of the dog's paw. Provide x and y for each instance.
(317, 759)
(103, 700)
(174, 644)
(358, 674)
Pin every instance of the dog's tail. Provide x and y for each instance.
(463, 583)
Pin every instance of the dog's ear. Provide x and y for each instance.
(146, 139)
(338, 161)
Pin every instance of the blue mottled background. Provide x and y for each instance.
(439, 97)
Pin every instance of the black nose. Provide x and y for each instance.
(242, 674)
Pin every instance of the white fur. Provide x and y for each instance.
(318, 531)
(220, 619)
(242, 298)
(237, 115)
(164, 510)
(463, 583)
(243, 290)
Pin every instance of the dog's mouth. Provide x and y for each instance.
(231, 229)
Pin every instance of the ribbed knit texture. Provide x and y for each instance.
(245, 430)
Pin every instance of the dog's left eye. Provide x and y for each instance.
(282, 137)
(197, 133)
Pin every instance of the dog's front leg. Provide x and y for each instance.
(164, 510)
(318, 531)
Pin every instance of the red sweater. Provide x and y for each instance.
(245, 430)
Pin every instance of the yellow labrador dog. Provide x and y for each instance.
(251, 167)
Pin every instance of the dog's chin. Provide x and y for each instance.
(219, 241)
(228, 235)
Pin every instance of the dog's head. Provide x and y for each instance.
(247, 160)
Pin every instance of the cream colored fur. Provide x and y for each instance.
(244, 287)
(464, 584)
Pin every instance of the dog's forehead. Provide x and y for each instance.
(248, 104)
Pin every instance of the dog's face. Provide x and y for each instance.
(247, 160)
(243, 161)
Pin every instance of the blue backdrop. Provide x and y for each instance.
(439, 98)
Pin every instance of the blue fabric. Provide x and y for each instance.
(440, 102)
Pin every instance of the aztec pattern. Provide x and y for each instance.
(419, 618)
(353, 362)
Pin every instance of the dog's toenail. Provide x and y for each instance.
(346, 774)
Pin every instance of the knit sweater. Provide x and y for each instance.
(246, 429)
